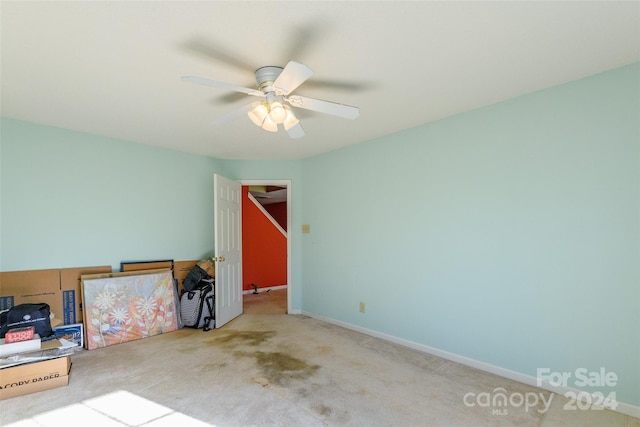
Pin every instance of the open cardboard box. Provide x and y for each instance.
(35, 376)
(60, 288)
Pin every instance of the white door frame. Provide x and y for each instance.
(287, 183)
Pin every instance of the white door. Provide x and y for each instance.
(228, 249)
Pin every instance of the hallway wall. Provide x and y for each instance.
(264, 248)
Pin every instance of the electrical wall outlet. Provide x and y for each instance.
(362, 307)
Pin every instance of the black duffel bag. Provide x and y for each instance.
(23, 315)
(196, 275)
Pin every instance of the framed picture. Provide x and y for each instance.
(128, 306)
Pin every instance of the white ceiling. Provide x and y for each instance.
(113, 68)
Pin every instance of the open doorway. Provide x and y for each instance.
(259, 195)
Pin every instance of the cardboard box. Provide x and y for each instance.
(120, 274)
(60, 288)
(71, 291)
(32, 286)
(146, 265)
(208, 265)
(73, 333)
(33, 377)
(180, 271)
(180, 268)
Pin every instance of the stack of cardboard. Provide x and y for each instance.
(60, 288)
(31, 377)
(24, 372)
(35, 365)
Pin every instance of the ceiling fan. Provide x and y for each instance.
(275, 85)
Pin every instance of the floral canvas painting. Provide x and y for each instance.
(126, 308)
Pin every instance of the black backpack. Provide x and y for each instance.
(194, 277)
(23, 315)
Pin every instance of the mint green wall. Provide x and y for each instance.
(509, 235)
(70, 199)
(279, 170)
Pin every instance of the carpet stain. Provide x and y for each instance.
(238, 338)
(309, 389)
(323, 410)
(280, 368)
(213, 366)
(262, 381)
(324, 349)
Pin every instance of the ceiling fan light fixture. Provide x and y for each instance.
(278, 114)
(291, 119)
(269, 125)
(258, 114)
(274, 86)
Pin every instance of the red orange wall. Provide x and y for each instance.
(279, 212)
(264, 248)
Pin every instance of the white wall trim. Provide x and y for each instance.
(623, 408)
(268, 215)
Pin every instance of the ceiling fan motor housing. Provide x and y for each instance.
(265, 76)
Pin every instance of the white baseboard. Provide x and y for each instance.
(623, 408)
(261, 290)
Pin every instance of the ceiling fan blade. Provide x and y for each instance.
(210, 50)
(292, 76)
(296, 131)
(234, 114)
(221, 85)
(335, 109)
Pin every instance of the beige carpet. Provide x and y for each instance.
(266, 368)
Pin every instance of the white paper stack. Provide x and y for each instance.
(20, 346)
